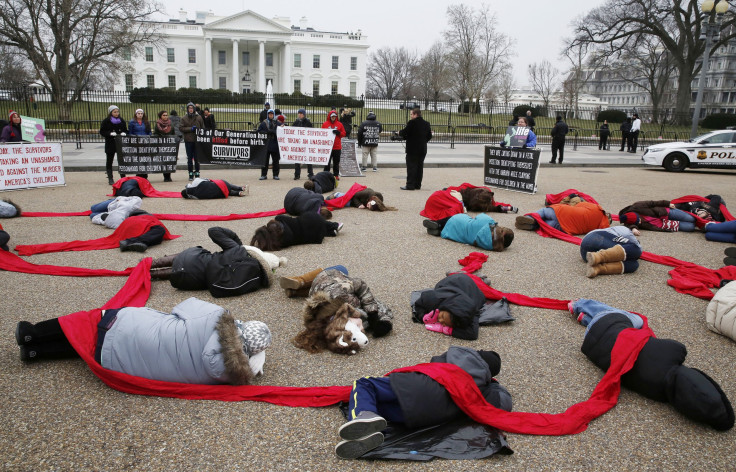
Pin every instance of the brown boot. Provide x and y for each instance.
(300, 280)
(608, 268)
(166, 261)
(614, 254)
(161, 274)
(299, 292)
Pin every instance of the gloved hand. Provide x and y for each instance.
(431, 317)
(439, 328)
(194, 129)
(123, 134)
(113, 134)
(336, 132)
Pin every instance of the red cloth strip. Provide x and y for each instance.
(340, 202)
(44, 214)
(12, 263)
(146, 188)
(222, 186)
(230, 217)
(552, 198)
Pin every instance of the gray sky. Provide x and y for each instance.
(538, 26)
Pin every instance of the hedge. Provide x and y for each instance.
(719, 121)
(613, 116)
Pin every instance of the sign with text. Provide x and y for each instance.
(516, 136)
(33, 129)
(305, 145)
(511, 169)
(147, 154)
(228, 147)
(30, 165)
(349, 159)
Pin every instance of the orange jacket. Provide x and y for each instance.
(581, 218)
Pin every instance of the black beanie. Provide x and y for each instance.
(493, 360)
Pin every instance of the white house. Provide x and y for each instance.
(242, 52)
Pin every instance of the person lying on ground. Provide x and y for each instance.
(284, 231)
(197, 343)
(721, 232)
(8, 209)
(321, 182)
(208, 189)
(113, 212)
(613, 250)
(366, 199)
(708, 210)
(580, 218)
(300, 200)
(481, 199)
(414, 400)
(656, 215)
(481, 231)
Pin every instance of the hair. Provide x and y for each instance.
(417, 111)
(206, 109)
(522, 118)
(379, 206)
(173, 113)
(268, 237)
(324, 324)
(160, 114)
(502, 237)
(559, 117)
(325, 213)
(309, 185)
(478, 199)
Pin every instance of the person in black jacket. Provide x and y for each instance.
(604, 133)
(111, 127)
(269, 126)
(284, 231)
(302, 122)
(369, 132)
(321, 182)
(625, 129)
(300, 200)
(209, 119)
(417, 134)
(346, 118)
(558, 133)
(264, 112)
(233, 271)
(207, 189)
(414, 399)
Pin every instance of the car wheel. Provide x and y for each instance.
(676, 162)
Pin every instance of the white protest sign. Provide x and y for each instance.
(29, 165)
(305, 145)
(33, 129)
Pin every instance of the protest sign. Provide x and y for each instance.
(240, 148)
(516, 136)
(33, 129)
(511, 169)
(147, 154)
(30, 165)
(305, 145)
(349, 159)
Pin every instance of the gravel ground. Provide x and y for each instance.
(59, 416)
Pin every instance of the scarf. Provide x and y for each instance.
(115, 121)
(164, 126)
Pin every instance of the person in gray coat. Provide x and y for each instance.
(197, 343)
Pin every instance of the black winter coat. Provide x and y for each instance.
(605, 131)
(309, 228)
(424, 402)
(299, 201)
(458, 294)
(323, 182)
(417, 133)
(269, 127)
(559, 131)
(107, 127)
(369, 131)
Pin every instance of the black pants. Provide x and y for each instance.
(558, 145)
(633, 141)
(108, 163)
(603, 142)
(298, 170)
(4, 238)
(152, 237)
(274, 156)
(624, 139)
(50, 342)
(414, 171)
(335, 159)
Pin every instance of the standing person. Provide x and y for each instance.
(369, 132)
(558, 139)
(514, 120)
(634, 133)
(302, 122)
(139, 125)
(110, 127)
(209, 119)
(264, 112)
(164, 127)
(12, 133)
(175, 122)
(417, 134)
(339, 131)
(188, 127)
(269, 126)
(530, 120)
(346, 118)
(603, 133)
(625, 129)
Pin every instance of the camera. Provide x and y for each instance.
(395, 136)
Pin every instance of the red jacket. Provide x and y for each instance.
(336, 125)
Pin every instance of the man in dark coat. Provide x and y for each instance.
(209, 119)
(559, 131)
(264, 112)
(302, 122)
(625, 129)
(414, 399)
(417, 134)
(269, 126)
(458, 295)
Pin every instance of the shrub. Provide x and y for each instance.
(719, 121)
(537, 111)
(613, 116)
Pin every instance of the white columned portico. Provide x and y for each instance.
(208, 63)
(262, 66)
(235, 87)
(286, 68)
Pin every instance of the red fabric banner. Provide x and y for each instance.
(12, 263)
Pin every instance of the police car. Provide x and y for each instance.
(716, 149)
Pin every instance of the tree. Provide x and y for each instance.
(432, 75)
(543, 79)
(677, 24)
(391, 72)
(69, 41)
(577, 77)
(478, 52)
(15, 69)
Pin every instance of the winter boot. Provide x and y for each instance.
(49, 350)
(43, 332)
(300, 281)
(526, 222)
(166, 261)
(161, 274)
(297, 293)
(614, 254)
(110, 180)
(609, 268)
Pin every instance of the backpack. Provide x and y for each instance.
(233, 272)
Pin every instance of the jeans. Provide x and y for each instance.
(341, 268)
(101, 207)
(687, 221)
(548, 216)
(721, 232)
(375, 394)
(593, 310)
(192, 161)
(597, 240)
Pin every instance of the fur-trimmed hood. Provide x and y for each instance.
(237, 367)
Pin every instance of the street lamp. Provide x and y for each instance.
(712, 29)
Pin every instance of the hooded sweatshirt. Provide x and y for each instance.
(188, 121)
(475, 231)
(369, 131)
(335, 125)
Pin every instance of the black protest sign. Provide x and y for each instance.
(516, 136)
(349, 159)
(146, 154)
(240, 148)
(511, 169)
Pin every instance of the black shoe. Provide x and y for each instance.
(135, 247)
(168, 179)
(354, 448)
(729, 261)
(433, 227)
(110, 181)
(296, 177)
(28, 354)
(24, 332)
(552, 162)
(406, 188)
(730, 251)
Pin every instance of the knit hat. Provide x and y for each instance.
(111, 108)
(254, 335)
(140, 110)
(699, 397)
(280, 118)
(302, 111)
(190, 104)
(8, 209)
(267, 105)
(10, 115)
(493, 360)
(629, 218)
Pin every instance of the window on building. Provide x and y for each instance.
(354, 89)
(353, 63)
(170, 57)
(192, 56)
(128, 82)
(334, 87)
(150, 81)
(269, 59)
(246, 58)
(297, 86)
(297, 60)
(149, 54)
(315, 61)
(126, 54)
(223, 82)
(335, 62)
(315, 88)
(172, 81)
(221, 57)
(193, 81)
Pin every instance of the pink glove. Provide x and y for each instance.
(431, 317)
(439, 328)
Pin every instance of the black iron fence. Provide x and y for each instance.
(453, 122)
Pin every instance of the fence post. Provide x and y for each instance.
(79, 135)
(452, 137)
(575, 141)
(449, 115)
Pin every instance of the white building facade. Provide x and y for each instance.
(245, 51)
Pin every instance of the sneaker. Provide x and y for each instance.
(352, 449)
(136, 247)
(363, 169)
(339, 227)
(570, 305)
(365, 424)
(375, 169)
(244, 192)
(514, 209)
(525, 222)
(263, 177)
(191, 176)
(433, 227)
(196, 175)
(275, 177)
(729, 261)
